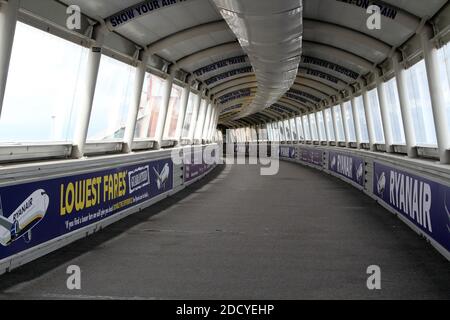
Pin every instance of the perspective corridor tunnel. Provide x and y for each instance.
(114, 115)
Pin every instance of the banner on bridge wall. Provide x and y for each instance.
(422, 201)
(348, 166)
(288, 152)
(311, 156)
(196, 166)
(37, 212)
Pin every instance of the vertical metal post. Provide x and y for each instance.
(327, 133)
(333, 116)
(318, 127)
(195, 111)
(296, 128)
(408, 124)
(84, 116)
(356, 122)
(291, 129)
(210, 123)
(207, 121)
(213, 125)
(201, 119)
(437, 98)
(183, 109)
(135, 103)
(310, 128)
(387, 128)
(369, 120)
(162, 116)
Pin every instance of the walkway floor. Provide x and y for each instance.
(237, 235)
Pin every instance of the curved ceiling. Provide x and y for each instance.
(338, 48)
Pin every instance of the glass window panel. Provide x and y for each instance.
(44, 88)
(374, 109)
(339, 123)
(111, 101)
(294, 131)
(444, 55)
(188, 117)
(254, 135)
(329, 124)
(287, 130)
(269, 132)
(312, 121)
(151, 100)
(276, 131)
(173, 112)
(420, 104)
(282, 133)
(300, 128)
(359, 104)
(321, 125)
(395, 114)
(348, 118)
(306, 128)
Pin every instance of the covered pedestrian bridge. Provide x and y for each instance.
(212, 149)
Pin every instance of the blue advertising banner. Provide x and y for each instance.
(37, 212)
(311, 156)
(288, 152)
(348, 166)
(422, 201)
(197, 166)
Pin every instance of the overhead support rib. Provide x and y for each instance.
(233, 83)
(222, 49)
(375, 48)
(340, 54)
(186, 35)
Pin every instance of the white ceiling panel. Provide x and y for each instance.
(420, 8)
(213, 59)
(355, 18)
(188, 47)
(169, 20)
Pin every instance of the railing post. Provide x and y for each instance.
(345, 125)
(195, 112)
